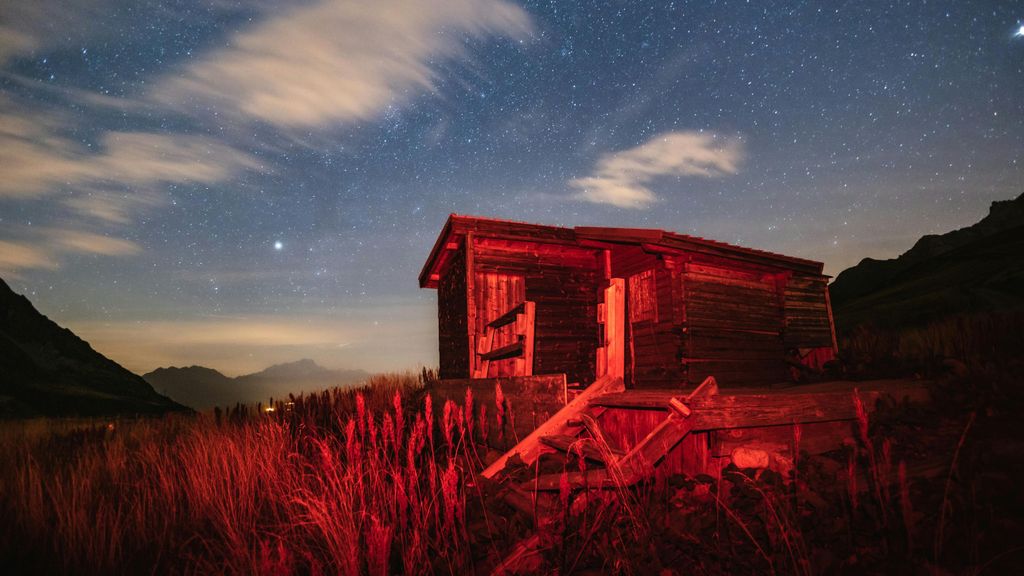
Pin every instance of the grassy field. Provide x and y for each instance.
(378, 480)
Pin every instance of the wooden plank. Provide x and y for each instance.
(510, 351)
(747, 410)
(530, 316)
(831, 321)
(529, 448)
(614, 327)
(566, 442)
(508, 317)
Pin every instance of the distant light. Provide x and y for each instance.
(278, 245)
(1020, 32)
(268, 409)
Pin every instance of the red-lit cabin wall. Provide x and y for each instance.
(653, 340)
(808, 322)
(563, 280)
(452, 332)
(732, 322)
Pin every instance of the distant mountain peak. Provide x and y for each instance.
(202, 388)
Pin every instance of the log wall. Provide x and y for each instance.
(731, 322)
(452, 325)
(807, 319)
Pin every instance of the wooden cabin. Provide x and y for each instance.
(610, 344)
(664, 310)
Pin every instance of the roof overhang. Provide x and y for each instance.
(457, 227)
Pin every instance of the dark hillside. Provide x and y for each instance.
(46, 370)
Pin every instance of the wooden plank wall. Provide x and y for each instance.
(564, 282)
(653, 347)
(452, 325)
(807, 320)
(732, 322)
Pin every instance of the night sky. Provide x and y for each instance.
(235, 184)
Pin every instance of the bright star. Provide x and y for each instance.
(1019, 32)
(278, 245)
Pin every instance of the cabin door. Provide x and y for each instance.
(494, 294)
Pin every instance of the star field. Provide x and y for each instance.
(240, 184)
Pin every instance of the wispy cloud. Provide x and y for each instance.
(29, 26)
(101, 186)
(624, 178)
(38, 159)
(305, 65)
(336, 60)
(91, 243)
(17, 256)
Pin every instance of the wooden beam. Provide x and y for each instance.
(831, 322)
(748, 410)
(508, 317)
(509, 351)
(615, 328)
(529, 449)
(529, 317)
(566, 442)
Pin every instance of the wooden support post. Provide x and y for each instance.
(529, 317)
(615, 328)
(831, 323)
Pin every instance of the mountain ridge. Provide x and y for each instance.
(973, 269)
(201, 387)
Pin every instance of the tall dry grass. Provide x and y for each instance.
(339, 482)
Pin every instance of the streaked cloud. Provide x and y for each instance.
(101, 187)
(39, 159)
(91, 243)
(30, 26)
(18, 256)
(336, 60)
(624, 178)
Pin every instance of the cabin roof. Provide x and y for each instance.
(457, 226)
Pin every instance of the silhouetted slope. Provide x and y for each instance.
(975, 269)
(47, 370)
(203, 388)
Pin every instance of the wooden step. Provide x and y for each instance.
(508, 317)
(565, 442)
(510, 351)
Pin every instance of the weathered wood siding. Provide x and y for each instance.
(732, 322)
(807, 321)
(452, 327)
(563, 281)
(654, 342)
